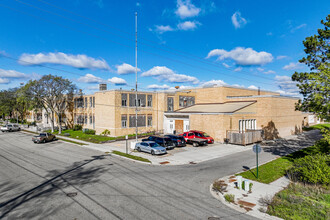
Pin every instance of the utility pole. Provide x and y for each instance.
(136, 92)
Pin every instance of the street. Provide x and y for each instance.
(59, 180)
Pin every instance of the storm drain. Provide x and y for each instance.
(192, 162)
(165, 162)
(72, 194)
(213, 218)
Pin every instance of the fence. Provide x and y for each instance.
(245, 137)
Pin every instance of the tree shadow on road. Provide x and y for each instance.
(282, 147)
(56, 181)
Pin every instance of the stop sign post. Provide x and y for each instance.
(257, 150)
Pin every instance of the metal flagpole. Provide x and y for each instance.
(136, 93)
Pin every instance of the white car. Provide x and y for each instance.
(10, 127)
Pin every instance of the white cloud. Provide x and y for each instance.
(269, 34)
(12, 74)
(270, 72)
(162, 28)
(155, 86)
(117, 81)
(253, 87)
(138, 4)
(78, 61)
(90, 78)
(213, 83)
(298, 27)
(4, 81)
(260, 69)
(126, 69)
(242, 56)
(186, 9)
(163, 73)
(238, 69)
(237, 20)
(286, 85)
(226, 65)
(188, 25)
(96, 87)
(293, 66)
(281, 57)
(239, 86)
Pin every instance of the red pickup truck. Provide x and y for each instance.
(198, 134)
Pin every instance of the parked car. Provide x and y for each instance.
(162, 141)
(43, 138)
(178, 140)
(150, 147)
(198, 134)
(10, 127)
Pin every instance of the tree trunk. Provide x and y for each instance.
(52, 121)
(59, 124)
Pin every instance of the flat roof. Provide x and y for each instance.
(227, 107)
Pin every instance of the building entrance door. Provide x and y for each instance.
(179, 126)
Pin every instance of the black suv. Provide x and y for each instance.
(178, 141)
(162, 141)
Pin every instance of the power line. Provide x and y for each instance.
(174, 60)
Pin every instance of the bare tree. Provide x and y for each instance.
(53, 93)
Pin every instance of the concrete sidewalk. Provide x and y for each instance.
(250, 202)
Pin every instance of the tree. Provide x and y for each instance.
(52, 93)
(315, 85)
(7, 102)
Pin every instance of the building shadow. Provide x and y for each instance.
(56, 181)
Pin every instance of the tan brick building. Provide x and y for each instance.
(214, 110)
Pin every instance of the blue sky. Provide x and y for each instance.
(192, 43)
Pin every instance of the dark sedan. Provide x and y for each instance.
(178, 141)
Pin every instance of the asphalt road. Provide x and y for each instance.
(59, 180)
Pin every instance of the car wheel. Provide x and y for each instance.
(153, 152)
(139, 149)
(38, 142)
(195, 144)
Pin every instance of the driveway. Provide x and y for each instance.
(59, 180)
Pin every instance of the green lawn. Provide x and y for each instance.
(300, 201)
(73, 142)
(318, 126)
(86, 137)
(131, 156)
(275, 169)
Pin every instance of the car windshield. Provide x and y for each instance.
(154, 145)
(206, 135)
(9, 126)
(42, 134)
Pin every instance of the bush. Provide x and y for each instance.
(314, 169)
(77, 127)
(229, 197)
(106, 132)
(89, 131)
(219, 186)
(13, 120)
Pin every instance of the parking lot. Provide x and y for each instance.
(184, 155)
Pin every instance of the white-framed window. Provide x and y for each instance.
(124, 121)
(247, 124)
(149, 120)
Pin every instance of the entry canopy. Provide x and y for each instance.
(227, 107)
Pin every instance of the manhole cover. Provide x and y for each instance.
(192, 162)
(213, 218)
(73, 194)
(165, 162)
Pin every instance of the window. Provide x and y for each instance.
(185, 101)
(170, 104)
(85, 121)
(123, 121)
(86, 102)
(93, 121)
(247, 124)
(90, 119)
(80, 119)
(149, 100)
(90, 102)
(79, 103)
(149, 120)
(93, 103)
(141, 121)
(124, 99)
(141, 100)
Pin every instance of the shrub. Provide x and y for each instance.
(250, 187)
(89, 131)
(219, 186)
(229, 197)
(77, 127)
(106, 132)
(313, 169)
(13, 120)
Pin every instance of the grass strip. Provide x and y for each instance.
(275, 169)
(73, 142)
(131, 156)
(318, 126)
